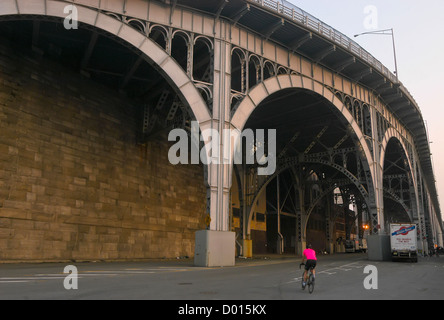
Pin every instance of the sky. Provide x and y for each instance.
(419, 40)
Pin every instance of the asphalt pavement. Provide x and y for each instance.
(272, 277)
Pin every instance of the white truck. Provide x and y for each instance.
(363, 245)
(403, 241)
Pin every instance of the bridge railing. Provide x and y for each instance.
(299, 16)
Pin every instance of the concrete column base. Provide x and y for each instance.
(378, 247)
(214, 248)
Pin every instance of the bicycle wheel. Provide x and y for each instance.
(302, 281)
(310, 283)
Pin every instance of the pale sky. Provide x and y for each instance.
(419, 40)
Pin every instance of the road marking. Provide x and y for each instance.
(91, 273)
(113, 272)
(333, 270)
(32, 278)
(345, 267)
(28, 279)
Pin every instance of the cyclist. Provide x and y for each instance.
(310, 254)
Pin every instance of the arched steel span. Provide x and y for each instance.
(127, 31)
(282, 82)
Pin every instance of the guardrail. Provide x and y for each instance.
(299, 16)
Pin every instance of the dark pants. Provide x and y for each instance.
(310, 264)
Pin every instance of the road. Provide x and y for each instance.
(339, 277)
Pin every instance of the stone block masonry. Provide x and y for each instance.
(74, 183)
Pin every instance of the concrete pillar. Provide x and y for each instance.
(379, 247)
(214, 248)
(218, 243)
(377, 212)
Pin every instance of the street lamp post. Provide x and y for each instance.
(385, 32)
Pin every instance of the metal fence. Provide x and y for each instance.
(301, 17)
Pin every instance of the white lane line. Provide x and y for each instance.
(331, 271)
(113, 272)
(31, 278)
(83, 274)
(92, 273)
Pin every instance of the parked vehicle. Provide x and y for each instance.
(403, 241)
(362, 245)
(350, 246)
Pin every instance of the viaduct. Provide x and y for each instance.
(91, 90)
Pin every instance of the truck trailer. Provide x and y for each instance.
(403, 241)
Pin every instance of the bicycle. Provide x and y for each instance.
(310, 281)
